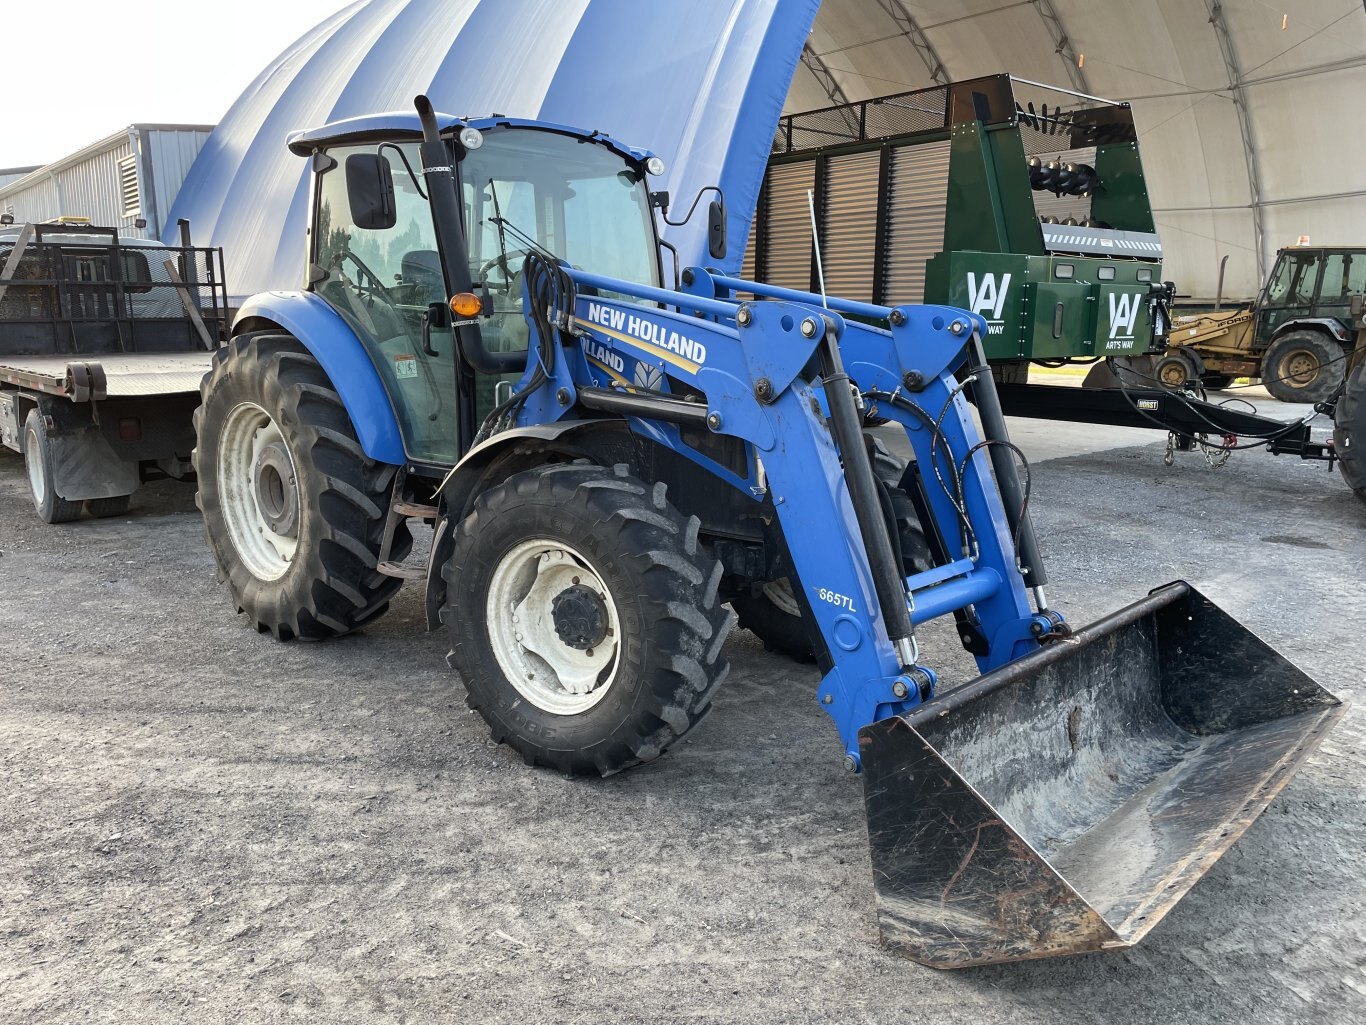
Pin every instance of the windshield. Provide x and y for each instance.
(581, 201)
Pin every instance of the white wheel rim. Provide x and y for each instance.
(248, 430)
(547, 671)
(33, 461)
(779, 592)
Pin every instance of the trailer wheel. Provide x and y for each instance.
(774, 614)
(1175, 371)
(583, 618)
(51, 507)
(1349, 431)
(293, 508)
(116, 505)
(1303, 366)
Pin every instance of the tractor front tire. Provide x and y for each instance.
(1303, 366)
(1349, 431)
(583, 618)
(293, 508)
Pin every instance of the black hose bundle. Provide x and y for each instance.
(551, 297)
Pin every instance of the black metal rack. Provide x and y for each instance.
(81, 290)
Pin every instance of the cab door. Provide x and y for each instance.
(377, 265)
(1290, 292)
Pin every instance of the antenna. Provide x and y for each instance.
(816, 241)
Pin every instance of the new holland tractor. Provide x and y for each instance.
(487, 341)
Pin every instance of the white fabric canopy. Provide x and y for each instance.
(1223, 184)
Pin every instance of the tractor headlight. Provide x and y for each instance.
(654, 166)
(471, 138)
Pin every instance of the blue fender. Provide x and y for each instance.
(342, 356)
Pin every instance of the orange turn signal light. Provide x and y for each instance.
(466, 304)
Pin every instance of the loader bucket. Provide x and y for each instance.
(1065, 802)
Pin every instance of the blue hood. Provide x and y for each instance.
(701, 84)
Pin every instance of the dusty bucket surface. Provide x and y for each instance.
(1066, 802)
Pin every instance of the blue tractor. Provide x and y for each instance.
(487, 341)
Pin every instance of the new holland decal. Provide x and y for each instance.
(673, 346)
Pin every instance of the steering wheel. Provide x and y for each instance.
(514, 257)
(374, 288)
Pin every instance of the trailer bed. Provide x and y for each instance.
(125, 375)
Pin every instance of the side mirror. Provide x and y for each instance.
(716, 229)
(370, 191)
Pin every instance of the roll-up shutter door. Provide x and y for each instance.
(849, 224)
(918, 193)
(787, 228)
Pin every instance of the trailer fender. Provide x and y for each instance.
(495, 460)
(83, 463)
(340, 353)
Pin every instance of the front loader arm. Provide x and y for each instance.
(772, 374)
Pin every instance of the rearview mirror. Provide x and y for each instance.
(370, 191)
(716, 229)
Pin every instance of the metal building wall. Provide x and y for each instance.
(89, 184)
(165, 156)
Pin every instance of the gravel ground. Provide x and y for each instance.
(200, 824)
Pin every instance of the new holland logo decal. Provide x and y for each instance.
(670, 345)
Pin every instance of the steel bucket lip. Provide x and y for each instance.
(1158, 598)
(900, 910)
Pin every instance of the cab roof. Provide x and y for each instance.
(400, 125)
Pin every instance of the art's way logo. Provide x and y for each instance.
(988, 299)
(1123, 315)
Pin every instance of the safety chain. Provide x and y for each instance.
(1215, 455)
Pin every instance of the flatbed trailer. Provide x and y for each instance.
(103, 344)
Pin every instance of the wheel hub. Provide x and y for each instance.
(276, 494)
(258, 491)
(580, 617)
(1173, 373)
(553, 626)
(1301, 368)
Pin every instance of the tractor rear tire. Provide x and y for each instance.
(1349, 431)
(50, 506)
(774, 615)
(1303, 366)
(583, 618)
(294, 509)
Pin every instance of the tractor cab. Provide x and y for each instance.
(375, 251)
(1311, 284)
